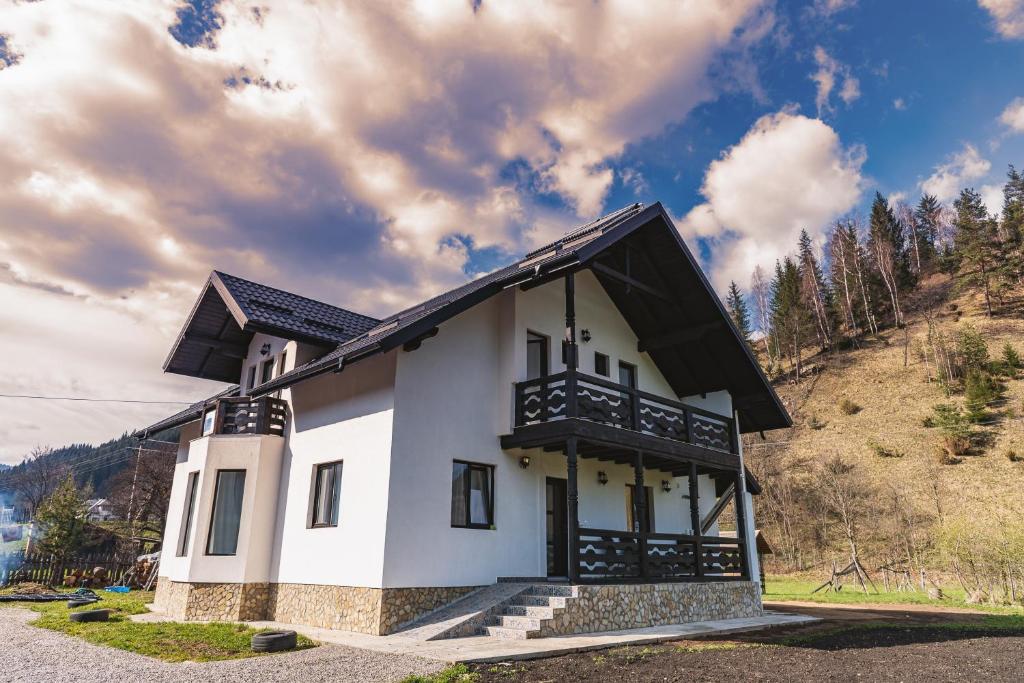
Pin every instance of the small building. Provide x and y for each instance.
(572, 420)
(99, 510)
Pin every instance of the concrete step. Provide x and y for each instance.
(516, 622)
(559, 590)
(509, 633)
(534, 611)
(539, 600)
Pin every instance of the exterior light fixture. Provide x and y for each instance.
(265, 349)
(585, 335)
(524, 461)
(666, 485)
(602, 478)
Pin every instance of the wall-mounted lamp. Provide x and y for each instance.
(524, 461)
(265, 349)
(585, 335)
(666, 485)
(602, 478)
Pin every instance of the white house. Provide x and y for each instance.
(99, 510)
(569, 424)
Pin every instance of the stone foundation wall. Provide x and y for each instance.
(349, 608)
(613, 608)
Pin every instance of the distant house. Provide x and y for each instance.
(99, 510)
(569, 425)
(6, 516)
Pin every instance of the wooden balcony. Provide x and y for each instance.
(245, 415)
(572, 394)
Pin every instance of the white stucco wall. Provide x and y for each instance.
(343, 416)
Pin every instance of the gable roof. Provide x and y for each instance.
(230, 310)
(679, 319)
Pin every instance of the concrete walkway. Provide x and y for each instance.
(485, 649)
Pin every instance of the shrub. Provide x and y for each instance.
(956, 429)
(848, 407)
(1011, 359)
(814, 423)
(980, 389)
(972, 348)
(1013, 456)
(943, 457)
(884, 451)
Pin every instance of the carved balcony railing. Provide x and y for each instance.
(574, 394)
(246, 415)
(623, 555)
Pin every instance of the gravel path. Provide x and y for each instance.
(30, 655)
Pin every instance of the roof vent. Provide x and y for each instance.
(266, 305)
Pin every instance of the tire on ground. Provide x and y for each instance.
(273, 641)
(90, 615)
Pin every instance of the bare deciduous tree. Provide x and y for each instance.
(36, 478)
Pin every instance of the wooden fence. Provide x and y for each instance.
(40, 568)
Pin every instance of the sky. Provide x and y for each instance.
(373, 154)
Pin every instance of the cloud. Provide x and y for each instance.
(955, 174)
(1008, 16)
(992, 196)
(1013, 116)
(788, 173)
(899, 104)
(828, 74)
(357, 152)
(827, 8)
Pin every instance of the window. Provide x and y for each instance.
(536, 355)
(631, 522)
(267, 372)
(209, 417)
(250, 381)
(326, 494)
(627, 375)
(472, 495)
(227, 512)
(601, 364)
(282, 359)
(186, 520)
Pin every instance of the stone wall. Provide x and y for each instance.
(617, 607)
(349, 608)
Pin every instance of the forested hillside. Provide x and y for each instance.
(899, 356)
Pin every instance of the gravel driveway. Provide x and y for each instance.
(29, 654)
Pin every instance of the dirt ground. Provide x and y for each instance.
(862, 643)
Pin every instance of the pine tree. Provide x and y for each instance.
(1011, 232)
(976, 247)
(790, 319)
(738, 311)
(888, 253)
(814, 293)
(61, 521)
(927, 218)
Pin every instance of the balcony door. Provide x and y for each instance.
(536, 355)
(557, 527)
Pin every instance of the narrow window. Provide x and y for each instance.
(227, 512)
(472, 495)
(209, 417)
(250, 381)
(627, 375)
(186, 520)
(601, 364)
(327, 494)
(536, 355)
(631, 522)
(267, 372)
(281, 361)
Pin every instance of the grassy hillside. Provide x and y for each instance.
(895, 454)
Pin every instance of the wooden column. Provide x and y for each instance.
(740, 500)
(573, 503)
(569, 346)
(640, 509)
(698, 550)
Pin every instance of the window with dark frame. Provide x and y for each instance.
(282, 359)
(631, 521)
(627, 374)
(600, 364)
(536, 355)
(250, 382)
(472, 495)
(227, 513)
(326, 495)
(186, 520)
(267, 371)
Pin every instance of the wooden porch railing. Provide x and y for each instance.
(611, 556)
(574, 394)
(245, 415)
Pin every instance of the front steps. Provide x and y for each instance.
(521, 618)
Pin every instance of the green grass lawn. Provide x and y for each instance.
(781, 588)
(169, 641)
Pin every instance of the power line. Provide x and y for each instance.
(94, 400)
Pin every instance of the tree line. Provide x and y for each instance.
(871, 268)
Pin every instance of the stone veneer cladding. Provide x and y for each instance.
(375, 611)
(618, 607)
